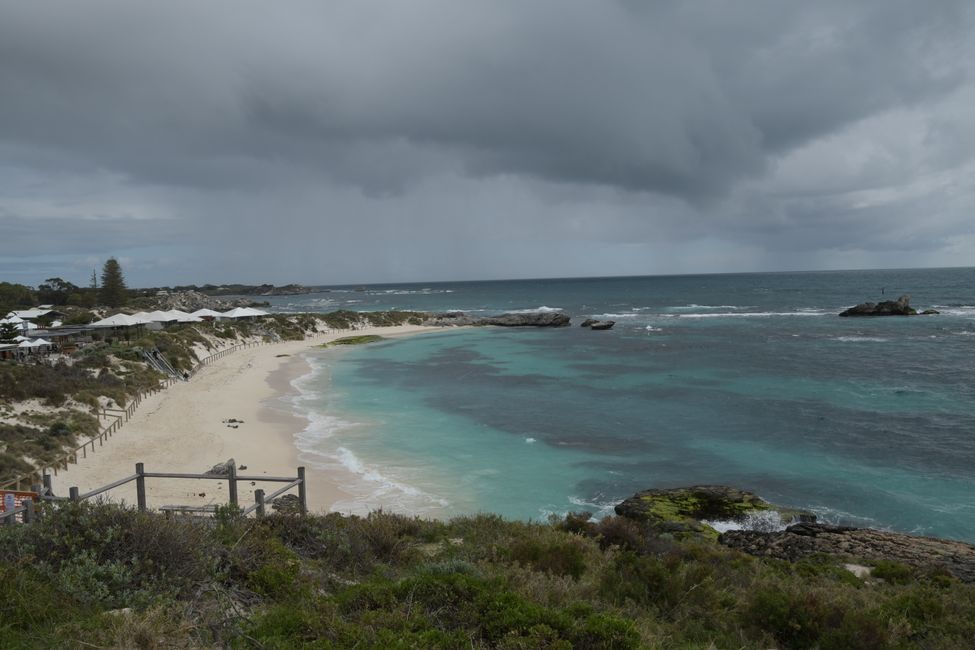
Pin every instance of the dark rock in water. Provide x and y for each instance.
(683, 509)
(603, 325)
(805, 539)
(532, 319)
(598, 324)
(221, 469)
(899, 307)
(928, 312)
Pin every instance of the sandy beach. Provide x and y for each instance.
(183, 430)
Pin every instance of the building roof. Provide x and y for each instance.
(27, 314)
(120, 320)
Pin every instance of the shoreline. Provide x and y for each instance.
(182, 430)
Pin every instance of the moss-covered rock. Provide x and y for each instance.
(354, 340)
(682, 512)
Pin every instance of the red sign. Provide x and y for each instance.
(11, 500)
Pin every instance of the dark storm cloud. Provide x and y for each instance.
(473, 122)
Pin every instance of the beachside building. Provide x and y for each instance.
(35, 313)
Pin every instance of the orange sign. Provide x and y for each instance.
(11, 499)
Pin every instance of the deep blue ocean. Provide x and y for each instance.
(750, 380)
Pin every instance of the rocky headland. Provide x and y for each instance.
(685, 513)
(861, 544)
(520, 319)
(190, 301)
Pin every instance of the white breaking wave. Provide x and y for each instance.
(956, 310)
(754, 314)
(861, 339)
(601, 508)
(536, 310)
(766, 521)
(408, 292)
(606, 316)
(694, 306)
(371, 488)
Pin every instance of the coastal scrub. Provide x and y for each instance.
(387, 580)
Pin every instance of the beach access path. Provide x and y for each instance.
(182, 430)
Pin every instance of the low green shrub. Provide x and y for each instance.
(562, 557)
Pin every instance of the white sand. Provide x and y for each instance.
(181, 430)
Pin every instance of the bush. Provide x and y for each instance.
(564, 557)
(893, 572)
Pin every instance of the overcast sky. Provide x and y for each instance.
(354, 141)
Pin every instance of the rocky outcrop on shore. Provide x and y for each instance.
(683, 512)
(532, 319)
(805, 539)
(899, 307)
(526, 319)
(190, 301)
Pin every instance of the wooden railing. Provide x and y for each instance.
(29, 514)
(125, 414)
(232, 477)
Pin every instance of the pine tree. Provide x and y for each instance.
(8, 332)
(113, 292)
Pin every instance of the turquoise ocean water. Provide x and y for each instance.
(750, 380)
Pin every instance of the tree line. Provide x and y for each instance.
(112, 292)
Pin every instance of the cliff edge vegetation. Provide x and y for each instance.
(97, 575)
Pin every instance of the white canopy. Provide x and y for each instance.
(38, 343)
(24, 325)
(173, 315)
(161, 316)
(243, 312)
(201, 313)
(29, 313)
(183, 317)
(120, 320)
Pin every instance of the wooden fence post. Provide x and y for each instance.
(259, 499)
(47, 483)
(232, 475)
(302, 491)
(29, 512)
(140, 487)
(73, 494)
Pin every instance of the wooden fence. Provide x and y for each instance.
(261, 499)
(123, 415)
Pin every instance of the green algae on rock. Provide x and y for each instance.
(355, 340)
(683, 512)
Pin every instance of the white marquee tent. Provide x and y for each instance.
(206, 313)
(121, 320)
(243, 312)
